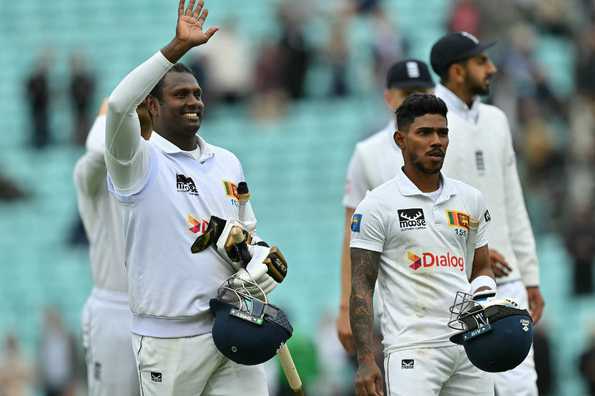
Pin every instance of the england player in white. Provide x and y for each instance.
(423, 237)
(111, 369)
(374, 161)
(168, 189)
(482, 155)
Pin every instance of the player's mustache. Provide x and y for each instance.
(437, 151)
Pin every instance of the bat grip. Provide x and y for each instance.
(239, 241)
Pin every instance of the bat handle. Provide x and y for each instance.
(240, 241)
(291, 373)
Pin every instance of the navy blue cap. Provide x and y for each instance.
(455, 47)
(409, 73)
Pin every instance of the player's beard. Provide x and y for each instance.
(476, 87)
(423, 169)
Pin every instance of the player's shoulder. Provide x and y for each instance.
(465, 190)
(223, 154)
(373, 142)
(492, 112)
(382, 193)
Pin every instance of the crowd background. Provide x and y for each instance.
(290, 87)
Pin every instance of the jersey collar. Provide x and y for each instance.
(168, 147)
(457, 106)
(408, 188)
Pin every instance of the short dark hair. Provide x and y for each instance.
(157, 91)
(417, 105)
(444, 74)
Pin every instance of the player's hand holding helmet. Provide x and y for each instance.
(253, 260)
(495, 332)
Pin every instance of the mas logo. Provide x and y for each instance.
(356, 222)
(196, 226)
(429, 260)
(411, 219)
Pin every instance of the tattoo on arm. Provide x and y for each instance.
(364, 271)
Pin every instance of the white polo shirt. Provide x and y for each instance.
(374, 161)
(167, 197)
(427, 251)
(100, 215)
(481, 153)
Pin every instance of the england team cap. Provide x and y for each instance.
(455, 47)
(409, 73)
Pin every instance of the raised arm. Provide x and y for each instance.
(127, 159)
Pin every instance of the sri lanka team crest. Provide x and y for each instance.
(461, 219)
(196, 226)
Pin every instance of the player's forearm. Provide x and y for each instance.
(126, 158)
(521, 234)
(361, 308)
(481, 264)
(175, 50)
(346, 261)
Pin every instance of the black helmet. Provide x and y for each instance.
(496, 335)
(247, 329)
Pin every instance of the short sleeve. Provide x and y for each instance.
(356, 185)
(484, 217)
(368, 230)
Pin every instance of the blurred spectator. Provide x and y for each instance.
(387, 47)
(198, 64)
(537, 141)
(580, 243)
(465, 17)
(229, 65)
(337, 52)
(544, 364)
(555, 16)
(295, 53)
(82, 92)
(587, 366)
(37, 95)
(363, 7)
(57, 356)
(585, 63)
(16, 376)
(269, 99)
(10, 191)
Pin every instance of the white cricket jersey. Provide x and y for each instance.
(481, 154)
(375, 160)
(167, 196)
(100, 215)
(427, 251)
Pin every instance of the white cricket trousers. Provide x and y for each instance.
(444, 371)
(522, 380)
(111, 369)
(192, 366)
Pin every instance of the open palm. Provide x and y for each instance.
(190, 23)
